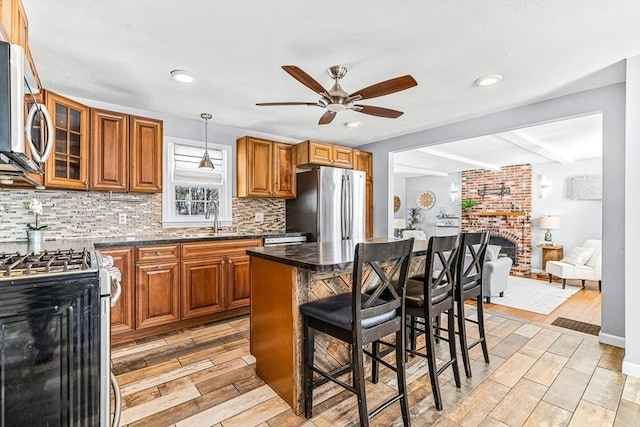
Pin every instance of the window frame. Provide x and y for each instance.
(169, 217)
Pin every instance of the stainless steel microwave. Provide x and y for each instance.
(15, 161)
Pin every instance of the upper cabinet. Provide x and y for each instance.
(363, 161)
(67, 166)
(320, 153)
(14, 28)
(265, 168)
(126, 152)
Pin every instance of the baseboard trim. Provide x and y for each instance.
(632, 369)
(613, 340)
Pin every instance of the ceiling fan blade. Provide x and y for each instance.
(386, 87)
(378, 111)
(303, 78)
(327, 118)
(271, 104)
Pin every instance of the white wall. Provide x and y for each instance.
(400, 190)
(441, 187)
(579, 219)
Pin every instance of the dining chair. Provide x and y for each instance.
(365, 315)
(469, 271)
(429, 298)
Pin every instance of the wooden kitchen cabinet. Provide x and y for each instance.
(126, 152)
(320, 153)
(215, 276)
(157, 285)
(145, 149)
(363, 161)
(265, 168)
(123, 312)
(68, 164)
(109, 150)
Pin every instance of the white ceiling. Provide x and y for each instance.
(564, 141)
(121, 52)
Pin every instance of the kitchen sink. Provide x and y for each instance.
(199, 235)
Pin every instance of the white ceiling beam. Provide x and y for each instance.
(456, 158)
(402, 168)
(521, 139)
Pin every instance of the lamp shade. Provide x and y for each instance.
(549, 222)
(400, 223)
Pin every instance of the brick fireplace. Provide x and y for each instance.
(504, 210)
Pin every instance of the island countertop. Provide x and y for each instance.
(322, 256)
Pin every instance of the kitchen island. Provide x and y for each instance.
(283, 278)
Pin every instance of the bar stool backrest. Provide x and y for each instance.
(440, 266)
(473, 247)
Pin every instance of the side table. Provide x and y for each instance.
(550, 253)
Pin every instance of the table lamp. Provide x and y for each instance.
(549, 223)
(399, 224)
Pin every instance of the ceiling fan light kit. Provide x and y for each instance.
(353, 124)
(337, 99)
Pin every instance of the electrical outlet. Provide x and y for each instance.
(122, 218)
(259, 217)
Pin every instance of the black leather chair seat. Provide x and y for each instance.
(415, 296)
(470, 285)
(337, 311)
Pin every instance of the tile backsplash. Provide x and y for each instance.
(74, 214)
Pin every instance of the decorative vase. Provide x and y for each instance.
(35, 237)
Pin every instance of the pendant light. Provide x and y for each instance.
(205, 163)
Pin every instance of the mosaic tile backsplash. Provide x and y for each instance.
(74, 214)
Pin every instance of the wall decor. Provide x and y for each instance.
(587, 187)
(426, 199)
(396, 203)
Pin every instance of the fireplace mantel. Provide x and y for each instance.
(493, 213)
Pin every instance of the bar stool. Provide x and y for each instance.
(359, 318)
(469, 286)
(428, 299)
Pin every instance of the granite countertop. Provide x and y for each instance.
(105, 242)
(322, 256)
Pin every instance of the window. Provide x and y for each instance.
(188, 190)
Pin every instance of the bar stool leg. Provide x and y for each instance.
(431, 360)
(483, 338)
(307, 376)
(401, 375)
(359, 385)
(375, 365)
(462, 330)
(451, 328)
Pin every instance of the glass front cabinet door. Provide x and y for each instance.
(67, 167)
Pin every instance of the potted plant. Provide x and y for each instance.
(414, 219)
(468, 204)
(35, 232)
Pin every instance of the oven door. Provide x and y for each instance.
(50, 343)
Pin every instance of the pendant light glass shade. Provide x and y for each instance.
(206, 163)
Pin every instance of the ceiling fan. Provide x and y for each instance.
(337, 99)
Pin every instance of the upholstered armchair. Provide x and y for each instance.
(416, 234)
(495, 273)
(582, 262)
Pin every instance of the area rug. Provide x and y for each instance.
(587, 328)
(534, 295)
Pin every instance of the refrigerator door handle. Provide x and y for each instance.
(343, 208)
(349, 226)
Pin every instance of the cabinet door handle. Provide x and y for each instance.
(123, 185)
(158, 267)
(158, 253)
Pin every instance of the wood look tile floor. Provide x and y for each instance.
(539, 375)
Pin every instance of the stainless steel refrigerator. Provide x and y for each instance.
(329, 205)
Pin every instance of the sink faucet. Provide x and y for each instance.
(213, 206)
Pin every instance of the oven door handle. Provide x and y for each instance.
(115, 283)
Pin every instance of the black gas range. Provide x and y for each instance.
(55, 317)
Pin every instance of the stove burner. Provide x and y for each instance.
(32, 263)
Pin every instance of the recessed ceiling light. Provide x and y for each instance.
(489, 80)
(352, 124)
(182, 76)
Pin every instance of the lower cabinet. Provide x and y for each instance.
(157, 294)
(163, 285)
(123, 312)
(215, 276)
(202, 281)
